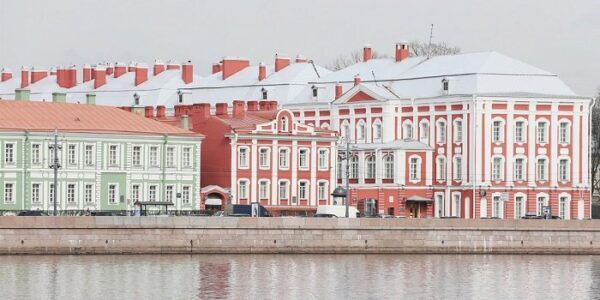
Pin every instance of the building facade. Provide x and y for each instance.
(109, 159)
(255, 152)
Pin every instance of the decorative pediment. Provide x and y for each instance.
(366, 92)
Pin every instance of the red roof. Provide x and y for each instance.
(66, 117)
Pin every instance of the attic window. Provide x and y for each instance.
(315, 91)
(445, 85)
(136, 99)
(265, 94)
(180, 95)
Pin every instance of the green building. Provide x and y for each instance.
(109, 158)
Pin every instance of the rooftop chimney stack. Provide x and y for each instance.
(216, 68)
(252, 105)
(367, 53)
(402, 51)
(24, 77)
(120, 69)
(300, 59)
(200, 111)
(238, 108)
(87, 73)
(231, 66)
(281, 62)
(339, 90)
(272, 105)
(221, 109)
(70, 77)
(159, 67)
(110, 69)
(264, 105)
(37, 75)
(161, 111)
(356, 80)
(187, 72)
(173, 65)
(99, 77)
(262, 72)
(6, 75)
(141, 74)
(149, 111)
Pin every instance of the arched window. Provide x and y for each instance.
(377, 131)
(360, 132)
(284, 124)
(371, 166)
(424, 132)
(441, 132)
(407, 130)
(388, 166)
(458, 131)
(564, 206)
(345, 129)
(354, 167)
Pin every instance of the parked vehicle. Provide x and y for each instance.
(32, 213)
(102, 213)
(325, 216)
(244, 210)
(531, 215)
(338, 210)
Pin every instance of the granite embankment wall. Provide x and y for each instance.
(137, 235)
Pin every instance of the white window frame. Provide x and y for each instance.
(36, 195)
(303, 195)
(523, 168)
(322, 190)
(458, 131)
(541, 176)
(564, 170)
(116, 193)
(171, 157)
(303, 159)
(361, 131)
(542, 136)
(113, 161)
(263, 190)
(186, 157)
(541, 196)
(88, 153)
(135, 192)
(285, 193)
(284, 124)
(564, 138)
(136, 156)
(186, 192)
(388, 166)
(424, 131)
(243, 157)
(284, 164)
(153, 192)
(36, 150)
(523, 137)
(9, 198)
(441, 168)
(71, 193)
(498, 131)
(407, 130)
(377, 131)
(354, 166)
(522, 207)
(169, 193)
(243, 185)
(564, 212)
(457, 173)
(440, 130)
(497, 168)
(9, 155)
(153, 154)
(264, 162)
(414, 173)
(371, 166)
(323, 163)
(86, 199)
(72, 154)
(497, 206)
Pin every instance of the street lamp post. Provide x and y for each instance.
(55, 166)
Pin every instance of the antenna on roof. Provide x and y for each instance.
(429, 45)
(314, 68)
(374, 78)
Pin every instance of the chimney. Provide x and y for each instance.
(339, 90)
(24, 77)
(141, 74)
(87, 73)
(185, 122)
(272, 105)
(120, 69)
(200, 111)
(402, 51)
(6, 75)
(90, 99)
(110, 69)
(131, 67)
(22, 94)
(252, 105)
(100, 77)
(159, 67)
(300, 59)
(238, 108)
(356, 80)
(233, 65)
(187, 72)
(58, 97)
(367, 53)
(216, 68)
(264, 105)
(37, 75)
(161, 111)
(281, 62)
(221, 109)
(70, 80)
(173, 65)
(262, 72)
(149, 111)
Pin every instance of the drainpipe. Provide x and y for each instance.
(25, 167)
(164, 169)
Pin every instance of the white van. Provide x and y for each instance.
(338, 211)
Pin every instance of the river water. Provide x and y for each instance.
(300, 277)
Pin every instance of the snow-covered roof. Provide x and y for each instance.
(403, 144)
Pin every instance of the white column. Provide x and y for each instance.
(428, 168)
(234, 158)
(254, 172)
(577, 142)
(585, 172)
(333, 173)
(553, 162)
(369, 126)
(400, 166)
(487, 142)
(313, 173)
(361, 167)
(274, 172)
(531, 142)
(294, 168)
(388, 126)
(508, 130)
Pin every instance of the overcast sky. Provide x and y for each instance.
(562, 37)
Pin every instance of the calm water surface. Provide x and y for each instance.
(300, 277)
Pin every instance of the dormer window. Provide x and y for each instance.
(284, 124)
(315, 91)
(265, 93)
(180, 95)
(136, 99)
(445, 85)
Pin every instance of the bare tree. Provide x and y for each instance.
(595, 147)
(343, 61)
(418, 48)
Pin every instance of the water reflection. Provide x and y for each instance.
(299, 277)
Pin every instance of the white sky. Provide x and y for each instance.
(562, 37)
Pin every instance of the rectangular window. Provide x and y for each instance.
(441, 133)
(371, 167)
(322, 191)
(152, 192)
(135, 193)
(563, 170)
(414, 172)
(243, 189)
(169, 193)
(283, 190)
(541, 133)
(519, 129)
(283, 158)
(9, 193)
(459, 132)
(563, 208)
(541, 169)
(187, 157)
(72, 154)
(70, 193)
(441, 174)
(88, 193)
(171, 157)
(389, 167)
(35, 193)
(263, 158)
(89, 155)
(264, 190)
(563, 133)
(136, 158)
(458, 168)
(154, 156)
(243, 157)
(497, 169)
(35, 153)
(302, 190)
(112, 155)
(497, 206)
(9, 153)
(51, 193)
(323, 159)
(519, 207)
(112, 194)
(497, 131)
(541, 201)
(303, 159)
(186, 195)
(519, 174)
